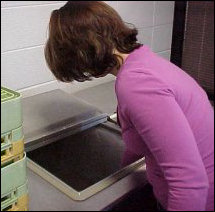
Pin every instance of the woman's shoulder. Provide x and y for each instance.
(140, 80)
(144, 73)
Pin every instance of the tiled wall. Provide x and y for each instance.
(24, 30)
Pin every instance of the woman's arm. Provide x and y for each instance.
(129, 158)
(163, 126)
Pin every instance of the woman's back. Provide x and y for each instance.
(164, 107)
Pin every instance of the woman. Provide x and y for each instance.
(164, 114)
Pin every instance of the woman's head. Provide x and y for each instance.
(83, 36)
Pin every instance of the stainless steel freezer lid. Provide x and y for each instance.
(48, 114)
(102, 96)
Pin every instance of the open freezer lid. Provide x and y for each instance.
(102, 96)
(48, 114)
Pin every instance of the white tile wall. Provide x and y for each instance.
(162, 38)
(139, 13)
(165, 54)
(145, 36)
(24, 28)
(5, 4)
(24, 68)
(113, 4)
(164, 11)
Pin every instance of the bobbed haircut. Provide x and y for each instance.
(82, 38)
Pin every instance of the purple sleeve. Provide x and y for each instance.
(129, 158)
(161, 123)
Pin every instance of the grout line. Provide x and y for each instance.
(54, 84)
(148, 27)
(152, 41)
(33, 5)
(154, 3)
(163, 51)
(163, 24)
(155, 26)
(21, 49)
(36, 86)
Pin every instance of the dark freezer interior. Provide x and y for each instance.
(83, 159)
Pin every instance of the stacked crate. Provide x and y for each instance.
(14, 189)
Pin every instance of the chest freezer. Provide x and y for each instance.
(73, 145)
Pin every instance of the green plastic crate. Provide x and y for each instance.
(11, 110)
(12, 146)
(10, 137)
(9, 199)
(13, 176)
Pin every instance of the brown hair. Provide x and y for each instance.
(82, 37)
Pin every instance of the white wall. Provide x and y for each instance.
(24, 31)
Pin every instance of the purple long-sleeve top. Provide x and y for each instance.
(166, 116)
